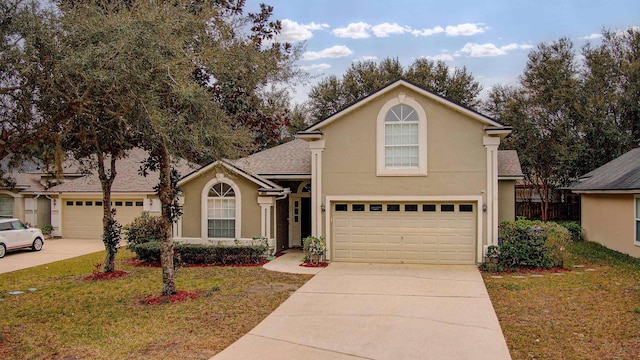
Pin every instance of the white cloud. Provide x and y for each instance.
(428, 32)
(592, 37)
(337, 51)
(467, 29)
(358, 30)
(441, 57)
(484, 50)
(367, 58)
(386, 29)
(315, 67)
(293, 32)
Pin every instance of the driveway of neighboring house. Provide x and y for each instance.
(53, 250)
(377, 311)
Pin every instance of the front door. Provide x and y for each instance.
(300, 215)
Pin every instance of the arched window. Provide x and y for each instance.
(221, 211)
(401, 138)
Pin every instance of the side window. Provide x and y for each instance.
(18, 225)
(5, 226)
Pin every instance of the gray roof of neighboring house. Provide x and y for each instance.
(509, 164)
(128, 178)
(290, 158)
(621, 173)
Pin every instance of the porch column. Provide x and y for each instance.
(491, 143)
(266, 204)
(316, 187)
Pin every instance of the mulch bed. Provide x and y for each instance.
(142, 263)
(99, 275)
(180, 296)
(320, 264)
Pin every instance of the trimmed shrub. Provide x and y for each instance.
(144, 228)
(575, 229)
(204, 254)
(530, 244)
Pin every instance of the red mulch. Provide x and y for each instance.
(142, 263)
(320, 264)
(180, 296)
(99, 275)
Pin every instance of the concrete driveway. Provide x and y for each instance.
(53, 250)
(376, 311)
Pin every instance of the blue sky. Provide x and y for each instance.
(490, 38)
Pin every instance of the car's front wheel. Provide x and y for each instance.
(3, 250)
(37, 244)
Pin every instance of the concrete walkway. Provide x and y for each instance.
(377, 311)
(53, 250)
(290, 262)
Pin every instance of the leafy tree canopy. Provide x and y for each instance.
(364, 77)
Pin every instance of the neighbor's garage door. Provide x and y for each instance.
(82, 218)
(429, 233)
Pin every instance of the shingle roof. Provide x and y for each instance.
(621, 173)
(509, 164)
(291, 158)
(127, 179)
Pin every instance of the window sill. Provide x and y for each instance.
(401, 172)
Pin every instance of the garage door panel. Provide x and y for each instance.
(404, 237)
(82, 218)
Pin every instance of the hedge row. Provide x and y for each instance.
(203, 254)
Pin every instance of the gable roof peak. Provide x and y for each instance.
(401, 82)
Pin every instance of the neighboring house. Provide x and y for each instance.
(611, 203)
(25, 195)
(402, 176)
(77, 207)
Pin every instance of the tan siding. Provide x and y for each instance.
(506, 200)
(456, 160)
(192, 192)
(609, 220)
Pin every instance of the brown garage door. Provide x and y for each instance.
(430, 233)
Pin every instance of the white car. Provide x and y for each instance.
(16, 235)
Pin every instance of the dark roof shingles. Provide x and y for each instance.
(621, 173)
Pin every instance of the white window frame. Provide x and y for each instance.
(636, 207)
(421, 169)
(204, 207)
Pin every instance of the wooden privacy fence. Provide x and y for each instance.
(557, 211)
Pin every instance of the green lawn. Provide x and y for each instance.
(590, 312)
(69, 318)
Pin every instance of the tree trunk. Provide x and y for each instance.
(166, 200)
(108, 222)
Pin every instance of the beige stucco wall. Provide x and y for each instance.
(456, 156)
(192, 193)
(506, 200)
(609, 220)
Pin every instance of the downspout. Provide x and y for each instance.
(287, 191)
